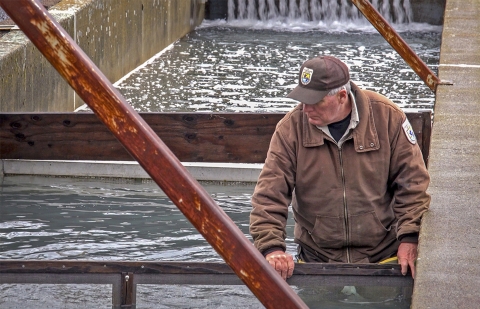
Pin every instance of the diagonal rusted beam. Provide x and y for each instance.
(402, 48)
(151, 153)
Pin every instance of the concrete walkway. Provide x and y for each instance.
(448, 274)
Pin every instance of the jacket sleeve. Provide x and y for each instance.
(409, 181)
(272, 195)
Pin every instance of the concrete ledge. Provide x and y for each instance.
(221, 172)
(118, 35)
(448, 266)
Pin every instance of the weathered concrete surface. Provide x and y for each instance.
(118, 35)
(428, 11)
(27, 80)
(448, 273)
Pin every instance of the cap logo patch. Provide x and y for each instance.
(306, 76)
(407, 128)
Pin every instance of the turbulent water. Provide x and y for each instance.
(326, 12)
(233, 68)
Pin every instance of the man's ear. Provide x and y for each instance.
(343, 96)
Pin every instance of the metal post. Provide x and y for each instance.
(151, 153)
(399, 44)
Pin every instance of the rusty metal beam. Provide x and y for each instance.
(151, 153)
(402, 48)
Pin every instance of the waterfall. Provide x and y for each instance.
(326, 11)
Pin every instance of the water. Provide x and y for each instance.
(84, 219)
(225, 67)
(3, 15)
(60, 218)
(326, 12)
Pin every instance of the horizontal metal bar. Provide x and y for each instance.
(184, 268)
(335, 278)
(68, 278)
(219, 275)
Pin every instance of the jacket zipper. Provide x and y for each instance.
(345, 210)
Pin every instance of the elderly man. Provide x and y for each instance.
(348, 161)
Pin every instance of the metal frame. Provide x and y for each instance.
(126, 275)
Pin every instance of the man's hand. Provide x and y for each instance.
(282, 262)
(407, 255)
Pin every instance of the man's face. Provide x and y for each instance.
(328, 110)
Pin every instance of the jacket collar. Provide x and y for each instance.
(365, 135)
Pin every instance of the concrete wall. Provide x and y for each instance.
(428, 11)
(118, 35)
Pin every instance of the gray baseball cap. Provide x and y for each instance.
(317, 77)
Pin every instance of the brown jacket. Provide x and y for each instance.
(349, 204)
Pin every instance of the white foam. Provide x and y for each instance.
(325, 15)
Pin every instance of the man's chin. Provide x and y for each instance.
(315, 122)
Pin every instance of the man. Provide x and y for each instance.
(348, 162)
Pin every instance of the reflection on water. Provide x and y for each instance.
(79, 219)
(233, 69)
(56, 218)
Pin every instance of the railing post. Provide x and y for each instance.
(128, 291)
(151, 153)
(117, 292)
(402, 48)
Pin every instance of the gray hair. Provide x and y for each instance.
(347, 87)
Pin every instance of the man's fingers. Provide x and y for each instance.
(404, 266)
(407, 254)
(283, 264)
(412, 267)
(291, 266)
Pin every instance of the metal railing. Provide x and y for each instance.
(125, 276)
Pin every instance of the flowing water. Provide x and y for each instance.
(250, 65)
(246, 64)
(84, 219)
(235, 69)
(326, 12)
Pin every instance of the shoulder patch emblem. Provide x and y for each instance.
(407, 128)
(306, 76)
